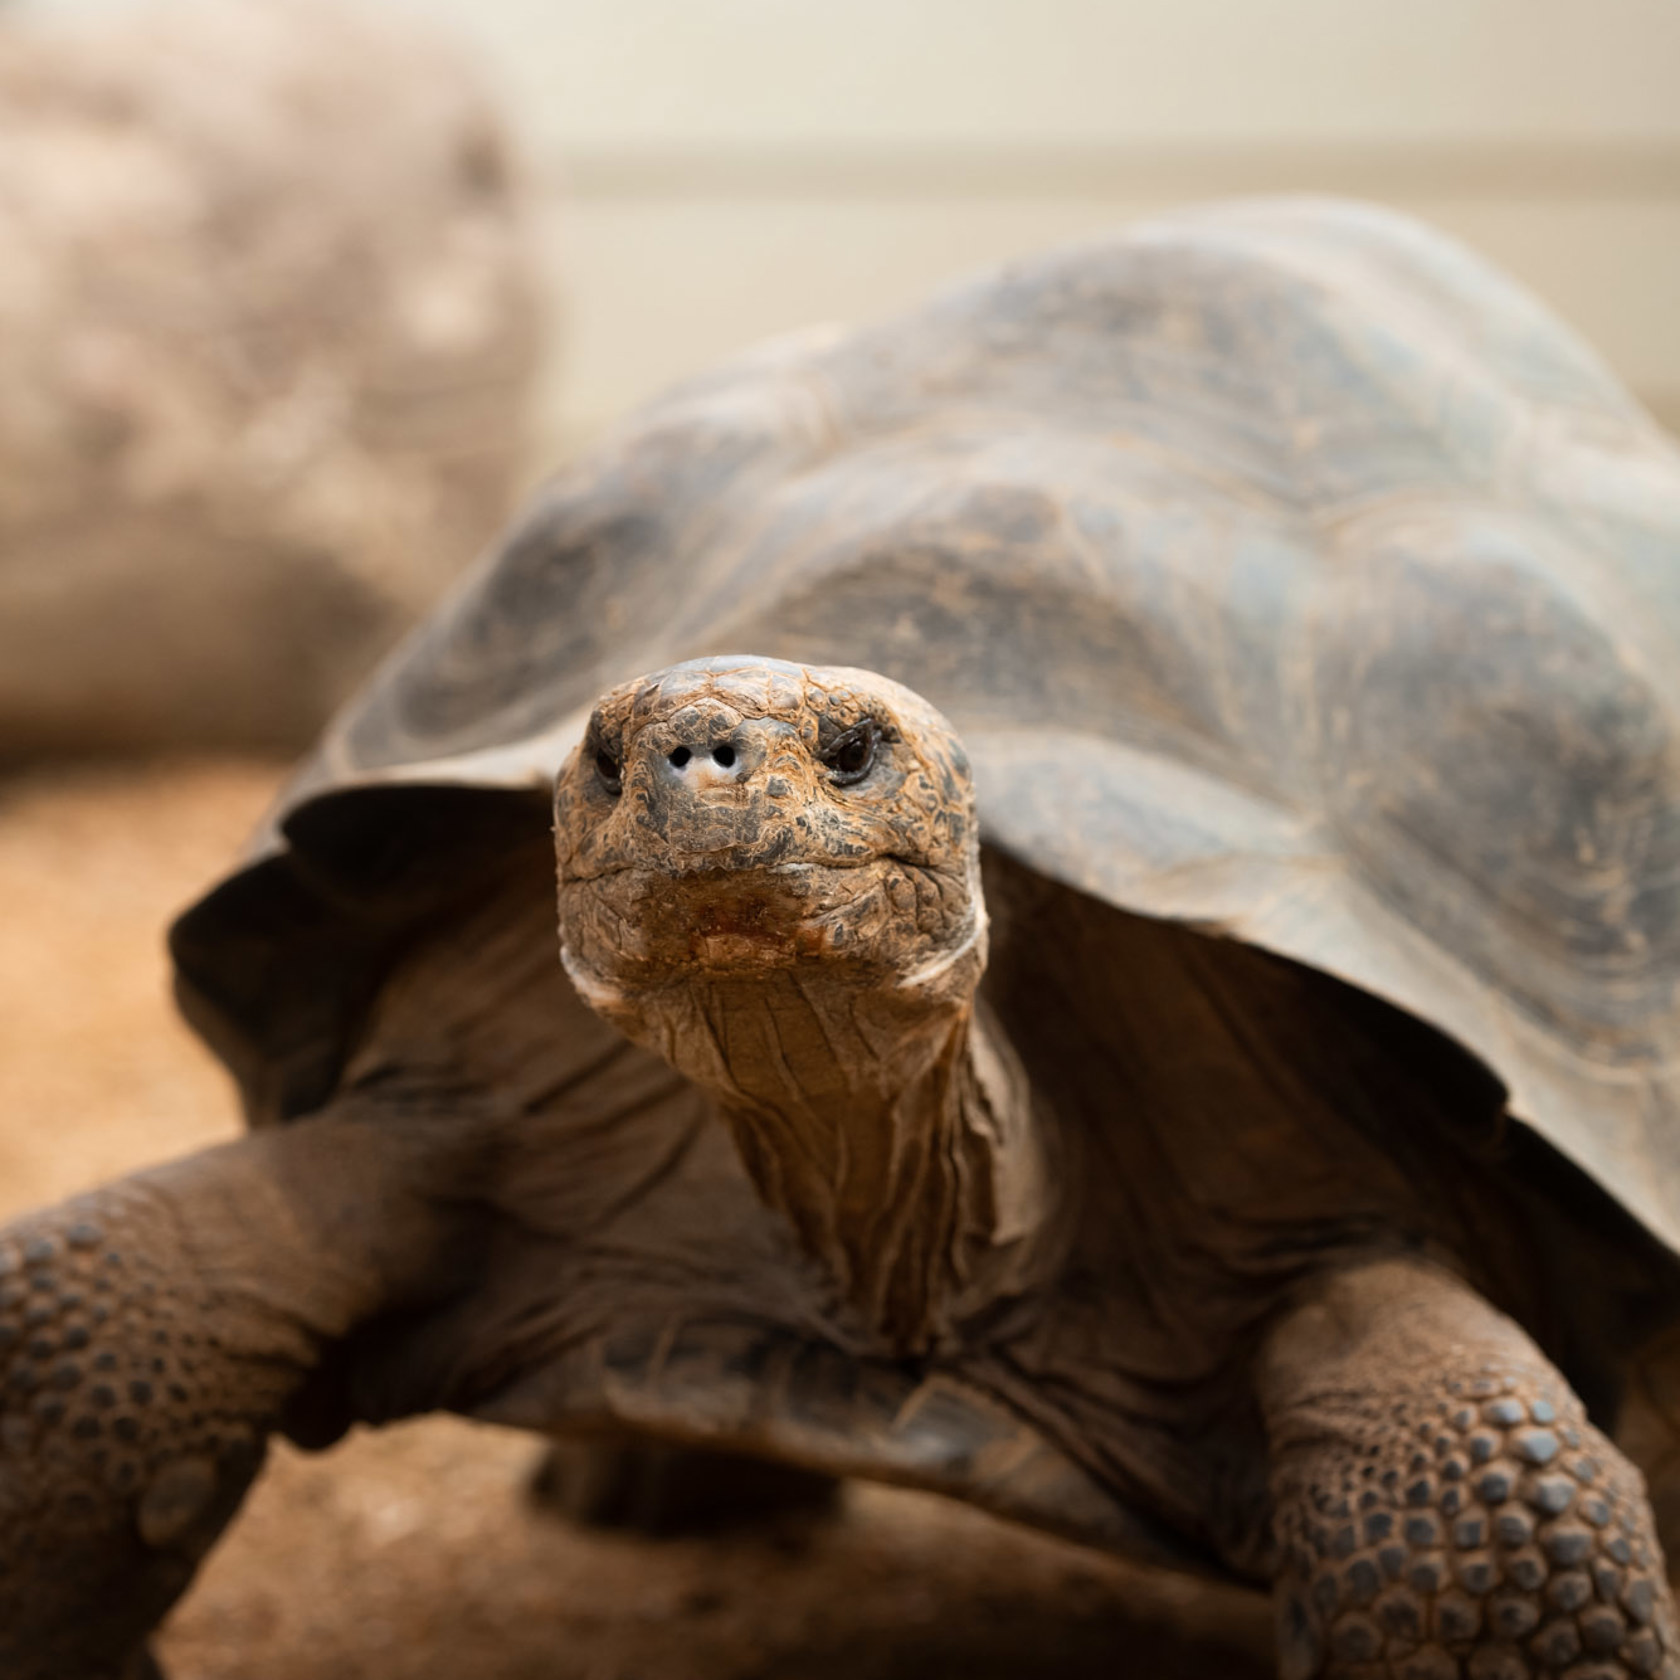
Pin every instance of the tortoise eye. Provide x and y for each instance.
(609, 770)
(852, 757)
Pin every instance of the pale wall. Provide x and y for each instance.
(716, 170)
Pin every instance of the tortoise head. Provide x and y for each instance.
(737, 818)
(770, 875)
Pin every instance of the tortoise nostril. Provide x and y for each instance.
(700, 763)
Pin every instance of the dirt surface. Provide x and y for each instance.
(414, 1553)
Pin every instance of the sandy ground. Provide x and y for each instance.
(414, 1553)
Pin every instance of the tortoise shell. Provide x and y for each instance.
(1285, 570)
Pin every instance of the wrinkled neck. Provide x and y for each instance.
(894, 1132)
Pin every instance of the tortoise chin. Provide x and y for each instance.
(875, 922)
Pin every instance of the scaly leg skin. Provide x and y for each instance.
(1442, 1508)
(651, 1487)
(150, 1335)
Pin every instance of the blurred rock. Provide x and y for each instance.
(267, 327)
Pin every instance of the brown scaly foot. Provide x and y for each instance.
(151, 1335)
(123, 1448)
(653, 1488)
(1443, 1509)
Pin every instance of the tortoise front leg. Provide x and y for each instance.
(151, 1335)
(1443, 1509)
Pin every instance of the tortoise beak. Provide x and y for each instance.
(698, 753)
(715, 790)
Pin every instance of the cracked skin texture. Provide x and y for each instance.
(1168, 1241)
(133, 1427)
(1462, 1519)
(147, 1348)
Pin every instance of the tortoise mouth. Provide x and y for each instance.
(720, 864)
(637, 927)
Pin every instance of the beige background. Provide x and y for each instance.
(712, 171)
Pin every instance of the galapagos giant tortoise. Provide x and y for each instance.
(1224, 1107)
